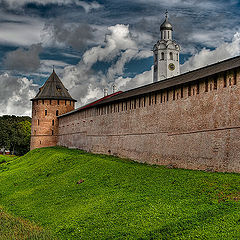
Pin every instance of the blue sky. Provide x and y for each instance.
(95, 44)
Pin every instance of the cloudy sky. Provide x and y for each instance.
(95, 44)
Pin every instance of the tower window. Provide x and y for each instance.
(215, 83)
(42, 101)
(225, 80)
(38, 122)
(181, 91)
(234, 77)
(230, 81)
(45, 112)
(189, 90)
(65, 102)
(206, 85)
(162, 55)
(168, 35)
(155, 57)
(50, 102)
(70, 102)
(52, 132)
(53, 122)
(171, 55)
(198, 87)
(57, 113)
(58, 102)
(174, 94)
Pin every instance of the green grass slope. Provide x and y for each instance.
(119, 199)
(13, 228)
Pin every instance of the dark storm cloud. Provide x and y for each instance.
(22, 59)
(76, 36)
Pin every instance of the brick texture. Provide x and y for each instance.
(194, 126)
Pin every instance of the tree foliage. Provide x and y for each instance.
(15, 134)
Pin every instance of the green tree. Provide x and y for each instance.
(15, 134)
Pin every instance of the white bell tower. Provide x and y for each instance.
(166, 54)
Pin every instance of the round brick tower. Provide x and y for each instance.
(51, 101)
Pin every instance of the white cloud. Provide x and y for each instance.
(15, 95)
(86, 84)
(23, 33)
(207, 56)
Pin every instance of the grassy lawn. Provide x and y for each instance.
(13, 228)
(119, 199)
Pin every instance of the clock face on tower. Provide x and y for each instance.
(171, 66)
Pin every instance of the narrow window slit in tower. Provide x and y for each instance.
(181, 91)
(215, 83)
(38, 122)
(53, 122)
(206, 85)
(167, 95)
(234, 77)
(162, 55)
(189, 90)
(174, 94)
(58, 102)
(198, 87)
(42, 101)
(225, 80)
(45, 112)
(57, 113)
(52, 132)
(149, 98)
(50, 102)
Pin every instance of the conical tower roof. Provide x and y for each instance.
(53, 88)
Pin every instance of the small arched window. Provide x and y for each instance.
(57, 113)
(171, 55)
(45, 112)
(162, 55)
(53, 122)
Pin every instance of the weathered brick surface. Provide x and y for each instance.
(201, 131)
(41, 133)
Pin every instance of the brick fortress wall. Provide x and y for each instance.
(194, 126)
(44, 129)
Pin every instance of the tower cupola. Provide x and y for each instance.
(166, 53)
(166, 28)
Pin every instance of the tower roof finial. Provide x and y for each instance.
(166, 14)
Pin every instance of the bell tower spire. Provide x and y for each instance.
(166, 53)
